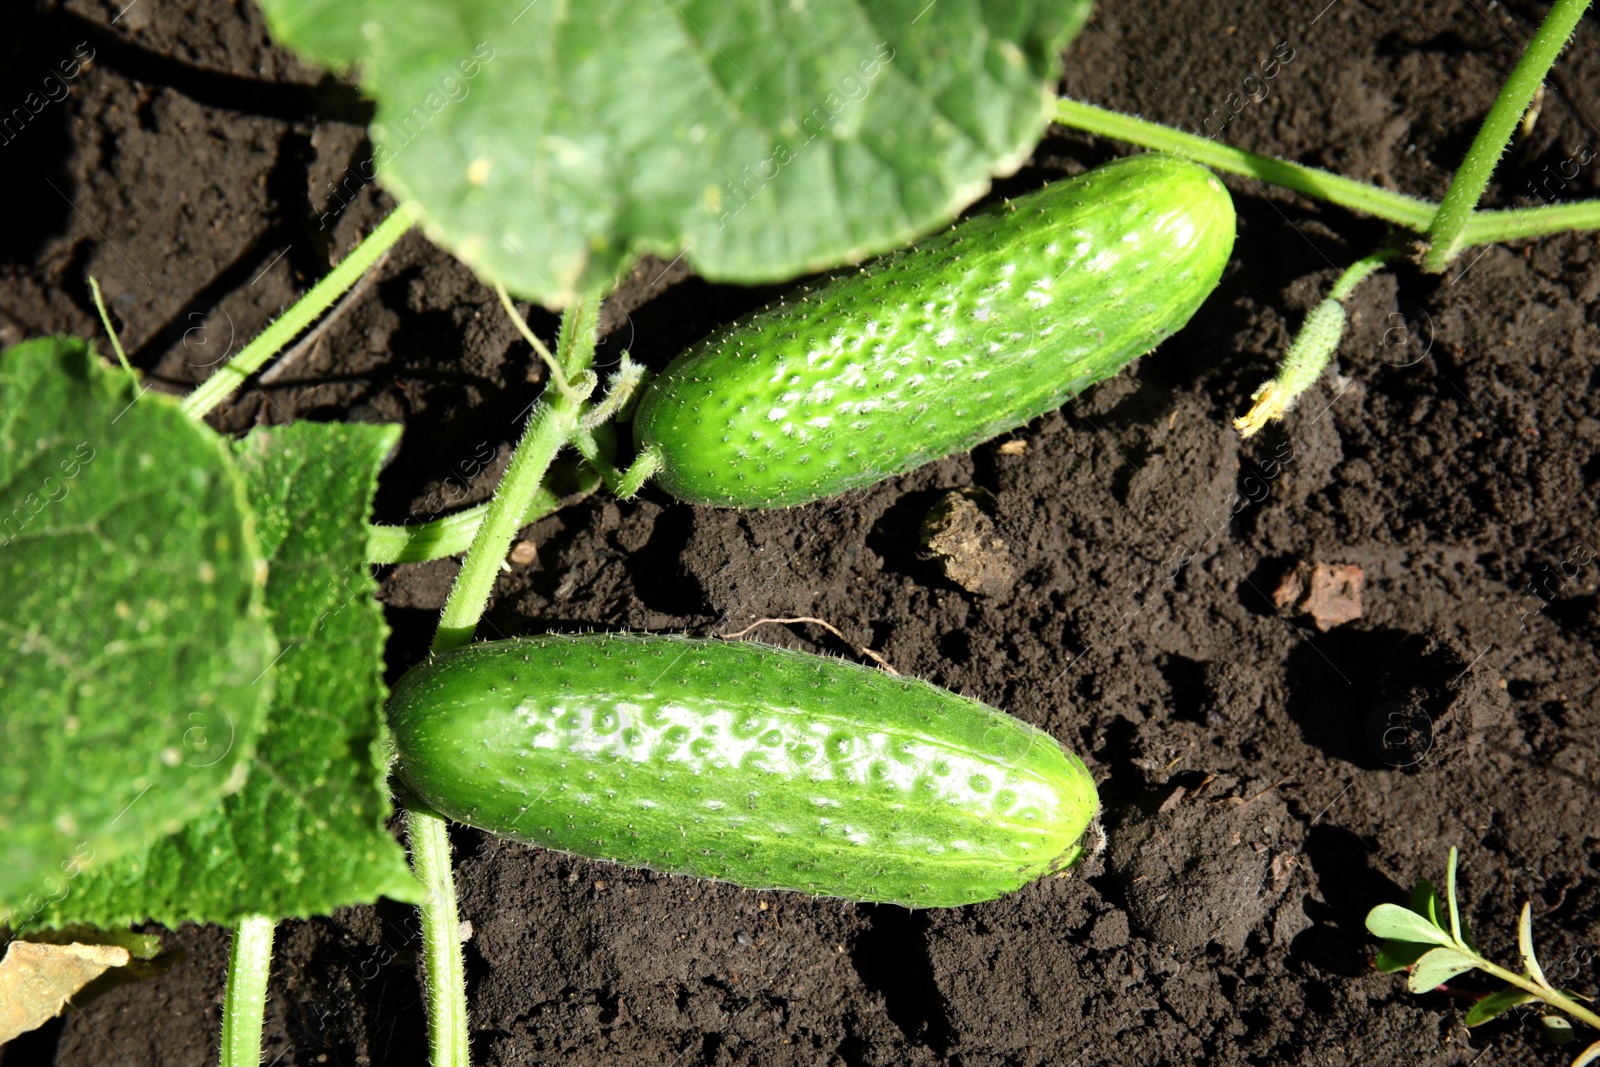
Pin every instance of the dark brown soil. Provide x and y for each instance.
(196, 171)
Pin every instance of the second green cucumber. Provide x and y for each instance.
(932, 350)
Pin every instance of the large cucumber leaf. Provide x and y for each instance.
(549, 142)
(134, 649)
(306, 833)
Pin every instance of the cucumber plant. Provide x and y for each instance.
(764, 181)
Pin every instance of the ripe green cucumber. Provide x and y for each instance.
(741, 762)
(931, 350)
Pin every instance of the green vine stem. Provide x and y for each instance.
(443, 963)
(244, 1003)
(453, 534)
(1359, 271)
(1445, 233)
(111, 332)
(1510, 224)
(1553, 997)
(443, 537)
(646, 465)
(1311, 350)
(1407, 211)
(551, 425)
(1482, 227)
(558, 375)
(231, 375)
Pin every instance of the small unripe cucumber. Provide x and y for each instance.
(740, 762)
(934, 349)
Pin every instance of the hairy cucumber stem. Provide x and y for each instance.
(1407, 211)
(1479, 228)
(1445, 233)
(244, 1004)
(623, 484)
(444, 537)
(599, 455)
(1358, 272)
(551, 425)
(452, 535)
(558, 376)
(619, 391)
(647, 464)
(232, 374)
(1310, 351)
(446, 993)
(1510, 224)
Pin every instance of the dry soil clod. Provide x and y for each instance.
(960, 535)
(1330, 593)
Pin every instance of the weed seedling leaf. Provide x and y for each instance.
(306, 833)
(1556, 1030)
(1450, 895)
(1408, 936)
(1437, 967)
(135, 649)
(1496, 1004)
(1392, 922)
(1398, 955)
(1525, 944)
(1425, 901)
(550, 144)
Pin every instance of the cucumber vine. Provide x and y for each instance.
(1449, 228)
(568, 413)
(1447, 232)
(566, 416)
(245, 997)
